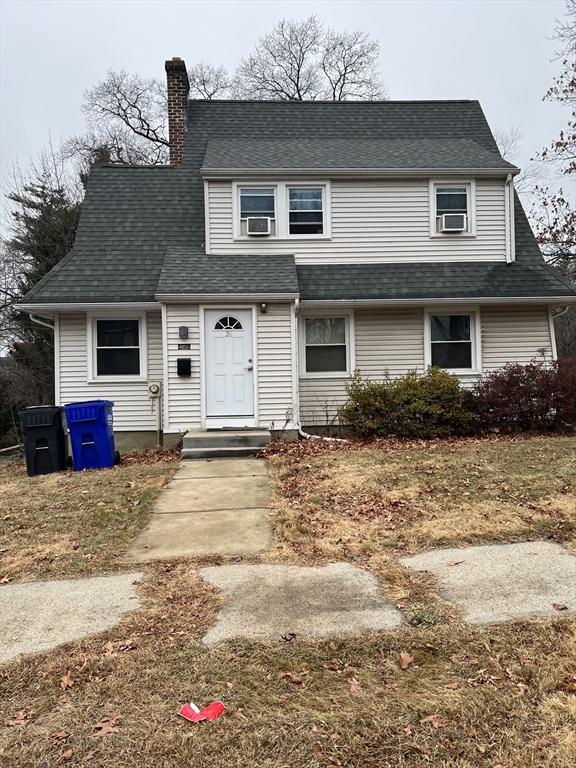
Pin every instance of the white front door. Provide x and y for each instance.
(229, 363)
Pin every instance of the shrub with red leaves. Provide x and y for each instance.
(522, 397)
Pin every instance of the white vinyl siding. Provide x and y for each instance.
(320, 400)
(184, 392)
(374, 221)
(274, 362)
(514, 335)
(390, 342)
(132, 405)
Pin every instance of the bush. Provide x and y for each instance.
(518, 397)
(430, 405)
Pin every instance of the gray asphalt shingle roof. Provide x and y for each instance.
(249, 274)
(142, 229)
(252, 155)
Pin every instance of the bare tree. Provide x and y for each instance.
(284, 64)
(126, 116)
(509, 142)
(349, 61)
(302, 60)
(208, 82)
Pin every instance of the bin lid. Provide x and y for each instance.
(40, 415)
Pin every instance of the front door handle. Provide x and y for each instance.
(249, 368)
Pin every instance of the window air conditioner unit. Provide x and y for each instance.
(258, 226)
(453, 222)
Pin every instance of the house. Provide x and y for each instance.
(286, 245)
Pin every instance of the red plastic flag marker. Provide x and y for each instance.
(194, 715)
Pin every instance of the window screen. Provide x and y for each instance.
(117, 348)
(257, 201)
(325, 344)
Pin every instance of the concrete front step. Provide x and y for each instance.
(222, 443)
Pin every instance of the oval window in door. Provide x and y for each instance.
(228, 323)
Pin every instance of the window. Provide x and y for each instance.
(305, 211)
(452, 198)
(257, 201)
(453, 341)
(295, 210)
(228, 324)
(117, 347)
(326, 345)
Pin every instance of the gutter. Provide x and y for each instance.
(178, 298)
(443, 300)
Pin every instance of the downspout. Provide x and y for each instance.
(40, 321)
(508, 210)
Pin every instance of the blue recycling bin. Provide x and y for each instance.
(91, 434)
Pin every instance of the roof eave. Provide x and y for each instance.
(443, 300)
(219, 173)
(176, 298)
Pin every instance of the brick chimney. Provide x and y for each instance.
(178, 89)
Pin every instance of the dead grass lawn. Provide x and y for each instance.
(73, 523)
(473, 697)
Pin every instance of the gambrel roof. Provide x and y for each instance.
(142, 229)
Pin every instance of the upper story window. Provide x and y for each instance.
(257, 202)
(452, 208)
(294, 210)
(305, 210)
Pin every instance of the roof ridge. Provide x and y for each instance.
(334, 103)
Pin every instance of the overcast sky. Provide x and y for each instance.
(497, 51)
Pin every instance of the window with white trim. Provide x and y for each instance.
(305, 210)
(295, 209)
(453, 341)
(258, 202)
(326, 345)
(452, 198)
(117, 350)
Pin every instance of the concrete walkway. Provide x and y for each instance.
(39, 615)
(211, 507)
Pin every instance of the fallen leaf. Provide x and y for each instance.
(107, 725)
(88, 756)
(453, 685)
(405, 660)
(436, 721)
(454, 562)
(66, 681)
(60, 737)
(569, 686)
(288, 637)
(559, 607)
(67, 754)
(296, 679)
(5, 580)
(21, 718)
(355, 686)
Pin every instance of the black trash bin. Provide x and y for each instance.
(44, 439)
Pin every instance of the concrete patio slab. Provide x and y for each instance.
(265, 602)
(221, 468)
(41, 615)
(203, 494)
(499, 582)
(217, 532)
